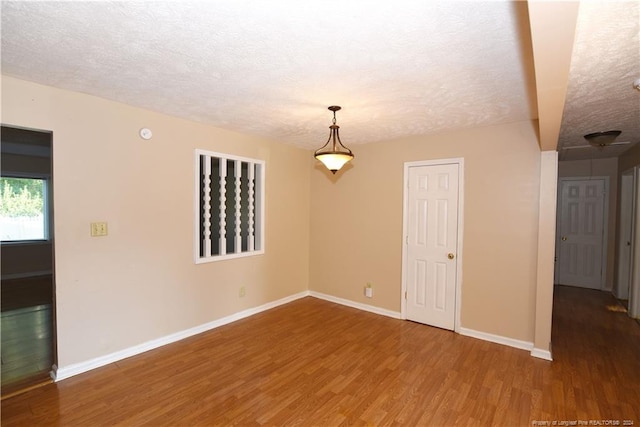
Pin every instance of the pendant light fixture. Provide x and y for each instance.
(602, 139)
(336, 155)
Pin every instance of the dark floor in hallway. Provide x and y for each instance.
(27, 354)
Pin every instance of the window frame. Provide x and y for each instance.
(46, 205)
(258, 211)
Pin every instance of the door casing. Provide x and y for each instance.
(625, 239)
(405, 222)
(634, 291)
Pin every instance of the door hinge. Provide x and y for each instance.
(406, 240)
(405, 294)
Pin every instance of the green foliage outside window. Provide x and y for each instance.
(22, 209)
(21, 197)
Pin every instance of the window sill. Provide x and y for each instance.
(228, 256)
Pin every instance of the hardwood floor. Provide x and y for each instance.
(27, 351)
(315, 363)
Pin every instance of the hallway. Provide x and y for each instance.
(595, 374)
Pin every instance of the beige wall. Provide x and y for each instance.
(600, 167)
(356, 224)
(140, 282)
(630, 159)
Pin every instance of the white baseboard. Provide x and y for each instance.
(498, 339)
(541, 354)
(61, 373)
(359, 306)
(54, 372)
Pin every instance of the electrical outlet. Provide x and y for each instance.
(368, 290)
(242, 292)
(98, 229)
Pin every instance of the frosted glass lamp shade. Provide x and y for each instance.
(334, 161)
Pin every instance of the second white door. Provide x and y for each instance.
(581, 233)
(432, 236)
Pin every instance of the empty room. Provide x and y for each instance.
(331, 213)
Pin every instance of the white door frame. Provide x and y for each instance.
(626, 221)
(634, 290)
(405, 221)
(605, 225)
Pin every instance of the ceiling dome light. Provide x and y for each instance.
(337, 155)
(602, 139)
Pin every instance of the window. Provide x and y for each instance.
(23, 209)
(229, 206)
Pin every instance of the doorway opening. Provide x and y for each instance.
(27, 239)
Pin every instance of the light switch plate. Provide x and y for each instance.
(98, 229)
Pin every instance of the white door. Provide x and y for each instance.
(581, 233)
(432, 236)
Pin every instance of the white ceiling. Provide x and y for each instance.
(410, 67)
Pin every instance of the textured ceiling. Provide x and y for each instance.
(272, 68)
(604, 65)
(402, 68)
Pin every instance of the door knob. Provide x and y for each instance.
(564, 238)
(451, 256)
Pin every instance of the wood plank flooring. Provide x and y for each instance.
(315, 363)
(27, 350)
